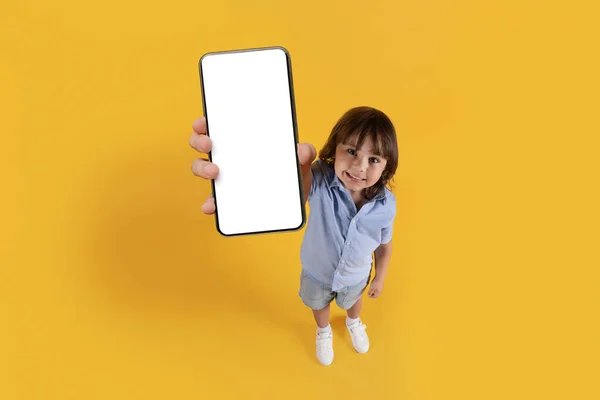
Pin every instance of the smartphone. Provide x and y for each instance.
(248, 102)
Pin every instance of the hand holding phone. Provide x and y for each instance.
(250, 118)
(203, 168)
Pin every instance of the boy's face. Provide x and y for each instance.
(358, 169)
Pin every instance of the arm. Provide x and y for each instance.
(306, 180)
(383, 254)
(306, 153)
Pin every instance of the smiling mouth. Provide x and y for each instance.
(354, 178)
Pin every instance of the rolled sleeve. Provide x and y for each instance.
(386, 234)
(318, 178)
(388, 230)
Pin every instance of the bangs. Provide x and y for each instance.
(379, 136)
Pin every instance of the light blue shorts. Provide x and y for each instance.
(317, 295)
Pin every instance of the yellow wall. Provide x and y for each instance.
(113, 285)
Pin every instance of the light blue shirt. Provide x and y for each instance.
(338, 245)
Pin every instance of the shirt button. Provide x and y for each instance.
(347, 243)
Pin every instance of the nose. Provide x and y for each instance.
(361, 163)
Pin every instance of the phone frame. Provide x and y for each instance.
(295, 129)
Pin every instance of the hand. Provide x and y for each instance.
(376, 288)
(306, 155)
(205, 169)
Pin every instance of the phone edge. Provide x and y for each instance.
(296, 138)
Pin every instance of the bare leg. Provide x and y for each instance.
(322, 317)
(354, 311)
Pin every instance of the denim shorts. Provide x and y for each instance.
(317, 295)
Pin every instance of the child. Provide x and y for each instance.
(351, 217)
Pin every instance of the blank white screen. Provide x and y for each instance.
(250, 123)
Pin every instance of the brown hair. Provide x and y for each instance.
(360, 123)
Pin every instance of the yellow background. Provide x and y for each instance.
(113, 285)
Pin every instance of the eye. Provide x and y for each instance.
(351, 152)
(374, 160)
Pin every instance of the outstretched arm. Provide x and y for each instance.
(306, 153)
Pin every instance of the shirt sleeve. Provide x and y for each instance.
(386, 234)
(388, 229)
(318, 178)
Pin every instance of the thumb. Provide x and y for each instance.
(306, 154)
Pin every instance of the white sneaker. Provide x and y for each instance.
(360, 340)
(325, 347)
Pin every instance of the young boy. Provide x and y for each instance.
(352, 215)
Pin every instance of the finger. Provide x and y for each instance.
(209, 205)
(199, 126)
(204, 169)
(202, 143)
